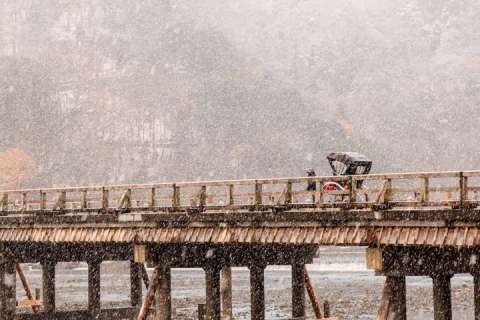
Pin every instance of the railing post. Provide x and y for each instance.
(352, 190)
(229, 199)
(5, 202)
(319, 192)
(385, 194)
(425, 189)
(105, 199)
(463, 183)
(84, 203)
(43, 201)
(258, 194)
(152, 198)
(288, 193)
(203, 196)
(128, 198)
(176, 196)
(24, 201)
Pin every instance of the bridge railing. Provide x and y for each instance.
(377, 191)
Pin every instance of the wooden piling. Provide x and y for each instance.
(213, 303)
(26, 286)
(257, 291)
(8, 288)
(298, 290)
(163, 300)
(442, 301)
(476, 295)
(147, 302)
(135, 284)
(394, 304)
(312, 294)
(94, 288)
(226, 292)
(48, 280)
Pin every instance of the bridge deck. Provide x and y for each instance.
(436, 208)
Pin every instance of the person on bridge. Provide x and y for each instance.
(311, 186)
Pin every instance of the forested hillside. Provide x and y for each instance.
(105, 91)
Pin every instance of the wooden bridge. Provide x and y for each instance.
(412, 223)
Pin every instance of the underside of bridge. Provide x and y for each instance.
(396, 262)
(214, 259)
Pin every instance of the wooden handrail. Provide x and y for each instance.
(415, 188)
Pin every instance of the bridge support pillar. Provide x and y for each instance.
(394, 299)
(163, 300)
(135, 284)
(257, 291)
(476, 295)
(94, 288)
(213, 296)
(442, 303)
(226, 291)
(298, 290)
(8, 288)
(48, 282)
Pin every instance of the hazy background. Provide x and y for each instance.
(109, 91)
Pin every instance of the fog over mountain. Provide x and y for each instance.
(108, 91)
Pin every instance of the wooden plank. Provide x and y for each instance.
(60, 204)
(34, 304)
(125, 201)
(374, 259)
(139, 253)
(410, 175)
(384, 195)
(312, 295)
(147, 302)
(26, 287)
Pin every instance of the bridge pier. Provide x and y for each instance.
(298, 290)
(8, 288)
(135, 284)
(394, 303)
(476, 294)
(48, 282)
(94, 305)
(163, 300)
(226, 292)
(213, 298)
(257, 291)
(442, 302)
